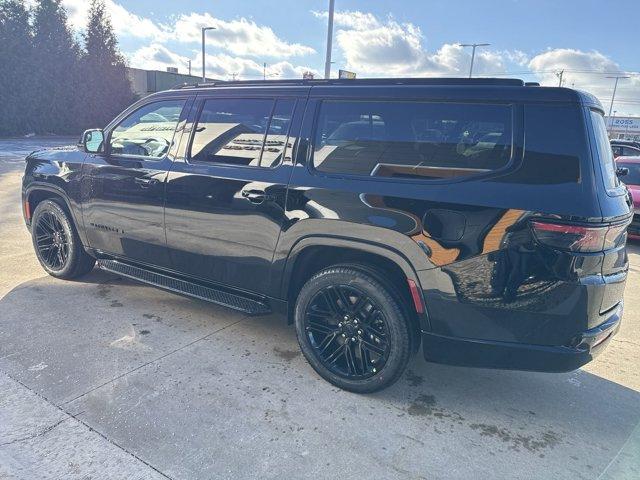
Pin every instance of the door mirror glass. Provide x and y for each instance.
(93, 141)
(622, 171)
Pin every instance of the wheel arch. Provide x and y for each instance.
(311, 254)
(37, 193)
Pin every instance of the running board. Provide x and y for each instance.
(185, 287)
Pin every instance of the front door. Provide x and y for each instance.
(225, 199)
(123, 188)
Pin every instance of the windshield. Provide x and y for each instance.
(605, 154)
(633, 177)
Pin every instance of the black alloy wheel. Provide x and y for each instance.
(56, 242)
(352, 328)
(347, 330)
(51, 241)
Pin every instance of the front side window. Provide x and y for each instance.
(605, 154)
(247, 132)
(147, 132)
(412, 139)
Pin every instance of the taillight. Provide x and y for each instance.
(578, 238)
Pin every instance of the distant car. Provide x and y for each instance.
(632, 180)
(624, 150)
(628, 143)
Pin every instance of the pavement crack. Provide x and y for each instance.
(35, 435)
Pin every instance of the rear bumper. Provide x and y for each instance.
(519, 356)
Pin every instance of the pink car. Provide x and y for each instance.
(632, 180)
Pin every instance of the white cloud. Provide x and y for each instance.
(124, 22)
(157, 57)
(239, 37)
(374, 47)
(587, 71)
(222, 66)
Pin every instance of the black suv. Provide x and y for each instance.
(481, 219)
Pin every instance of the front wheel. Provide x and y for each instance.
(351, 330)
(56, 242)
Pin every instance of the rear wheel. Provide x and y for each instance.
(351, 329)
(56, 242)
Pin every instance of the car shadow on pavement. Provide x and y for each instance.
(160, 374)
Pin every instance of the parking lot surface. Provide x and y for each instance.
(106, 378)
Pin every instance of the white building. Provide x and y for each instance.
(624, 127)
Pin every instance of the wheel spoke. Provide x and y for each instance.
(347, 331)
(328, 340)
(320, 327)
(350, 360)
(372, 348)
(335, 354)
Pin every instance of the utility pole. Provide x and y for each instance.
(327, 62)
(264, 71)
(473, 53)
(559, 75)
(615, 88)
(189, 67)
(204, 29)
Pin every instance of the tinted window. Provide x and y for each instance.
(232, 131)
(412, 139)
(630, 152)
(147, 132)
(278, 142)
(605, 153)
(633, 177)
(554, 143)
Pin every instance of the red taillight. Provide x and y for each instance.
(415, 295)
(579, 238)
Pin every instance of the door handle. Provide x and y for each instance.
(145, 182)
(255, 196)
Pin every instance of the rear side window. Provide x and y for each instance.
(248, 132)
(412, 139)
(605, 154)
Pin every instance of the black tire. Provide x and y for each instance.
(349, 362)
(56, 242)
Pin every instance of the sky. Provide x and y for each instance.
(530, 39)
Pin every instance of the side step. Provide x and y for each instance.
(185, 287)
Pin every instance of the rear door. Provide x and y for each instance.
(225, 199)
(123, 188)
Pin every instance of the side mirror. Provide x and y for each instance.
(93, 141)
(622, 171)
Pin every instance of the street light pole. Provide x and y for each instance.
(204, 29)
(327, 62)
(473, 53)
(615, 88)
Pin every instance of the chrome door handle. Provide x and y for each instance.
(146, 182)
(255, 196)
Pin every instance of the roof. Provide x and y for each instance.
(453, 89)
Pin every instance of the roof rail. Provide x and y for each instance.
(360, 81)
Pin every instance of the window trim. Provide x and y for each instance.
(274, 99)
(126, 114)
(350, 176)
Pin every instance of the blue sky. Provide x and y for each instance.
(531, 39)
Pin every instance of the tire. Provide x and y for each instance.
(352, 330)
(56, 242)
